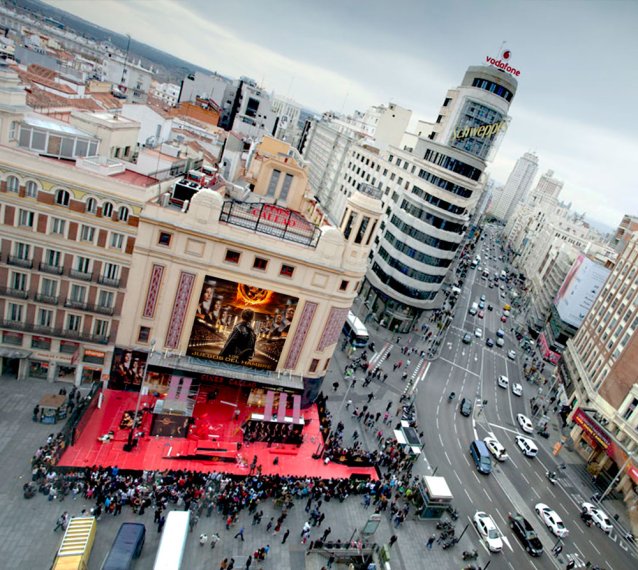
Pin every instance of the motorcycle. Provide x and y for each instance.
(451, 396)
(552, 477)
(443, 525)
(454, 514)
(543, 434)
(586, 517)
(449, 544)
(467, 555)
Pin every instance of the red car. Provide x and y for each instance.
(504, 319)
(481, 314)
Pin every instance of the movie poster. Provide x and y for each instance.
(241, 324)
(127, 372)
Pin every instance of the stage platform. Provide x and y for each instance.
(210, 446)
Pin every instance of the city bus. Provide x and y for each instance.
(173, 542)
(355, 331)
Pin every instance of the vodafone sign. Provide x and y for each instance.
(502, 63)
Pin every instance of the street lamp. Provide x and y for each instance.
(131, 439)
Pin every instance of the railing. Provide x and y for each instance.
(49, 299)
(54, 269)
(83, 306)
(83, 275)
(64, 333)
(108, 281)
(20, 262)
(17, 293)
(73, 304)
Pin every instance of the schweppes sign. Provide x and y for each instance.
(483, 131)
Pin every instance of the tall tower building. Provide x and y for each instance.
(517, 186)
(431, 188)
(545, 193)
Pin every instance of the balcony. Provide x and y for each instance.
(108, 281)
(53, 269)
(48, 299)
(17, 293)
(57, 332)
(102, 309)
(82, 275)
(74, 304)
(20, 262)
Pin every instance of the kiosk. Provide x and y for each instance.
(434, 498)
(52, 408)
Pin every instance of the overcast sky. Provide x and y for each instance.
(578, 62)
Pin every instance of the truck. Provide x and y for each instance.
(473, 309)
(75, 550)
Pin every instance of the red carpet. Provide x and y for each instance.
(214, 427)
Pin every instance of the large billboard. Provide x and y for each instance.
(479, 130)
(580, 289)
(127, 370)
(241, 324)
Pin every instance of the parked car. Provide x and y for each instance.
(551, 519)
(511, 355)
(481, 314)
(488, 531)
(467, 338)
(500, 342)
(525, 423)
(500, 333)
(525, 532)
(598, 516)
(489, 342)
(478, 332)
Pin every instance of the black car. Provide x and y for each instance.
(526, 534)
(466, 407)
(489, 342)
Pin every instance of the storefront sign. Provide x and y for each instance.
(94, 356)
(484, 131)
(10, 337)
(592, 429)
(43, 342)
(68, 346)
(503, 64)
(47, 356)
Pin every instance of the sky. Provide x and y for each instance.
(577, 59)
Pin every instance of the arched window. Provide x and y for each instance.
(12, 184)
(62, 198)
(91, 206)
(107, 209)
(122, 214)
(32, 189)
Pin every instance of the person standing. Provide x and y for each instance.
(214, 539)
(285, 536)
(269, 525)
(430, 542)
(240, 534)
(249, 561)
(61, 522)
(325, 534)
(36, 411)
(161, 523)
(224, 564)
(393, 539)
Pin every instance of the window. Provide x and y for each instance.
(19, 281)
(87, 233)
(314, 364)
(232, 256)
(48, 287)
(286, 270)
(73, 323)
(78, 293)
(13, 184)
(32, 189)
(117, 240)
(111, 271)
(58, 226)
(82, 264)
(107, 209)
(285, 187)
(25, 218)
(91, 206)
(344, 285)
(23, 251)
(144, 334)
(52, 258)
(164, 239)
(446, 102)
(122, 214)
(45, 318)
(272, 185)
(62, 198)
(106, 299)
(101, 328)
(15, 312)
(260, 263)
(14, 129)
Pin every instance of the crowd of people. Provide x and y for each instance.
(272, 432)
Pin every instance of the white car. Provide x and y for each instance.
(503, 381)
(551, 519)
(517, 389)
(511, 355)
(500, 341)
(598, 516)
(495, 447)
(478, 333)
(525, 423)
(527, 446)
(487, 530)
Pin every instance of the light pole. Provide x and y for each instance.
(131, 433)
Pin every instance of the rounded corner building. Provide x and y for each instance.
(431, 191)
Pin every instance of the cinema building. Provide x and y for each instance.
(246, 284)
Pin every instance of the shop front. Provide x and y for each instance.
(92, 366)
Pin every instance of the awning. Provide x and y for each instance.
(14, 353)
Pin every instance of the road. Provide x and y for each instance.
(517, 484)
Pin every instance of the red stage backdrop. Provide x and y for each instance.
(241, 324)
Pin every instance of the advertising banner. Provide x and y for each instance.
(127, 372)
(241, 324)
